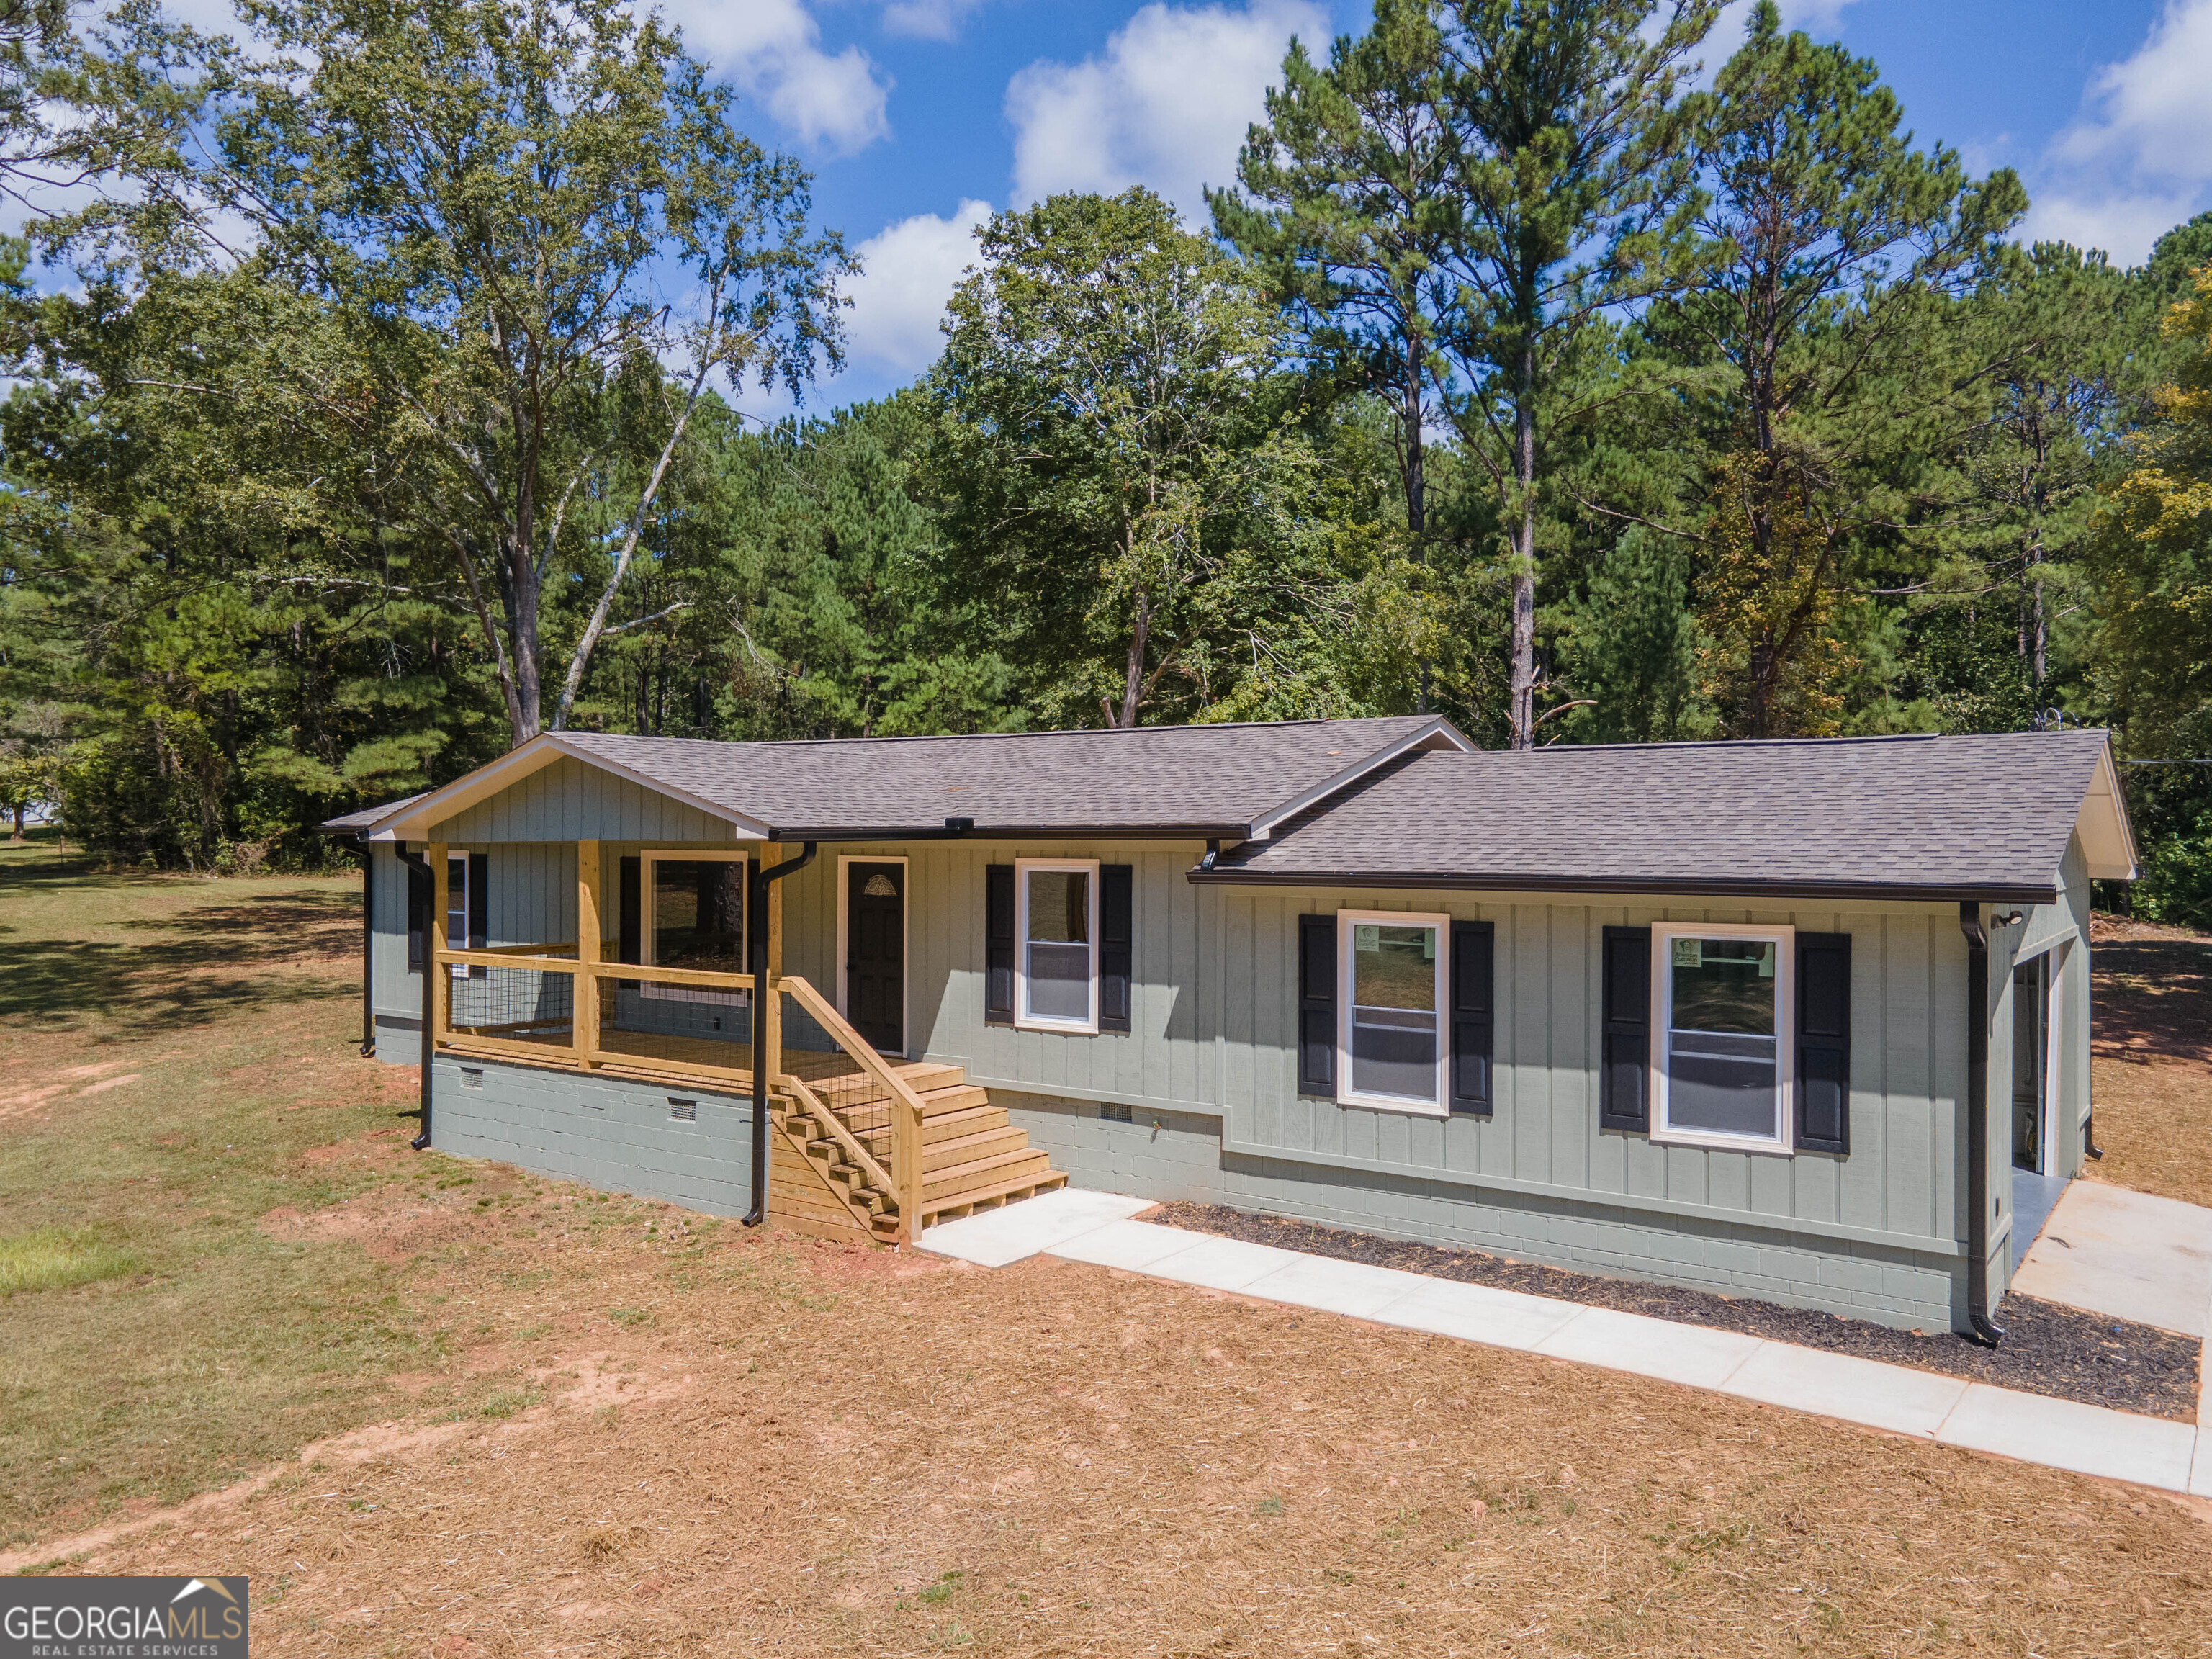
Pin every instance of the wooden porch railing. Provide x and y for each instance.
(906, 1108)
(567, 1031)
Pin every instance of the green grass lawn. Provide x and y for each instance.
(177, 1059)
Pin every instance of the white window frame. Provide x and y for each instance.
(457, 969)
(1784, 1142)
(2057, 948)
(1024, 1019)
(1346, 921)
(658, 989)
(845, 861)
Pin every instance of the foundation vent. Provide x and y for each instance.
(683, 1111)
(1115, 1114)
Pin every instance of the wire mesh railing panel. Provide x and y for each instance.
(517, 1005)
(861, 1101)
(680, 1025)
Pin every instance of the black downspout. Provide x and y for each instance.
(415, 861)
(756, 965)
(366, 852)
(1986, 1330)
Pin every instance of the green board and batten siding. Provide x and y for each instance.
(1214, 1006)
(570, 801)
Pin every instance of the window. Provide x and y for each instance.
(694, 915)
(457, 909)
(1056, 931)
(1721, 1000)
(1390, 1041)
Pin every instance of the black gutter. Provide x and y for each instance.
(757, 965)
(418, 862)
(1011, 831)
(1979, 1210)
(1689, 887)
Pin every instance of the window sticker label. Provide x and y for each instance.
(1689, 953)
(1366, 936)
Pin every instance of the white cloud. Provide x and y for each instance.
(908, 271)
(927, 19)
(772, 51)
(1165, 104)
(2138, 159)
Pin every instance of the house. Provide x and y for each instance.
(1773, 1018)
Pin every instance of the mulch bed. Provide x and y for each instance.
(2048, 1349)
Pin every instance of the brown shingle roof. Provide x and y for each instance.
(1156, 779)
(1204, 779)
(1978, 816)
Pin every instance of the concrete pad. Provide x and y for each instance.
(1136, 1246)
(2123, 1254)
(993, 1238)
(2065, 1435)
(1839, 1385)
(1479, 1313)
(1223, 1264)
(1691, 1354)
(1329, 1285)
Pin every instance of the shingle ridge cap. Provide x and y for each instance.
(976, 737)
(1760, 742)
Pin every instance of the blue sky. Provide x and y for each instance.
(917, 116)
(920, 117)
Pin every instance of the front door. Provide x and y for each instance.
(875, 953)
(2031, 1042)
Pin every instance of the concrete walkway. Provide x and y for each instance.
(1075, 1225)
(2127, 1254)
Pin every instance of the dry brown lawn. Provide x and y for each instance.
(554, 1422)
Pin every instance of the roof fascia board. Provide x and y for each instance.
(2108, 839)
(1263, 825)
(413, 822)
(1986, 892)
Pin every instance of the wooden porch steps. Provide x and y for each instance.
(974, 1158)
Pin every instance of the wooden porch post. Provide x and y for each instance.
(586, 1001)
(442, 990)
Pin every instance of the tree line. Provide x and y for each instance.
(372, 412)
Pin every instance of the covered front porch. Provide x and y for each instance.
(675, 978)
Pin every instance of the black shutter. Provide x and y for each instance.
(1824, 1042)
(479, 909)
(418, 919)
(1116, 943)
(998, 945)
(1317, 1006)
(1472, 1017)
(629, 911)
(1624, 1066)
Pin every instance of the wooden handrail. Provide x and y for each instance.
(843, 1136)
(698, 977)
(905, 1121)
(519, 958)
